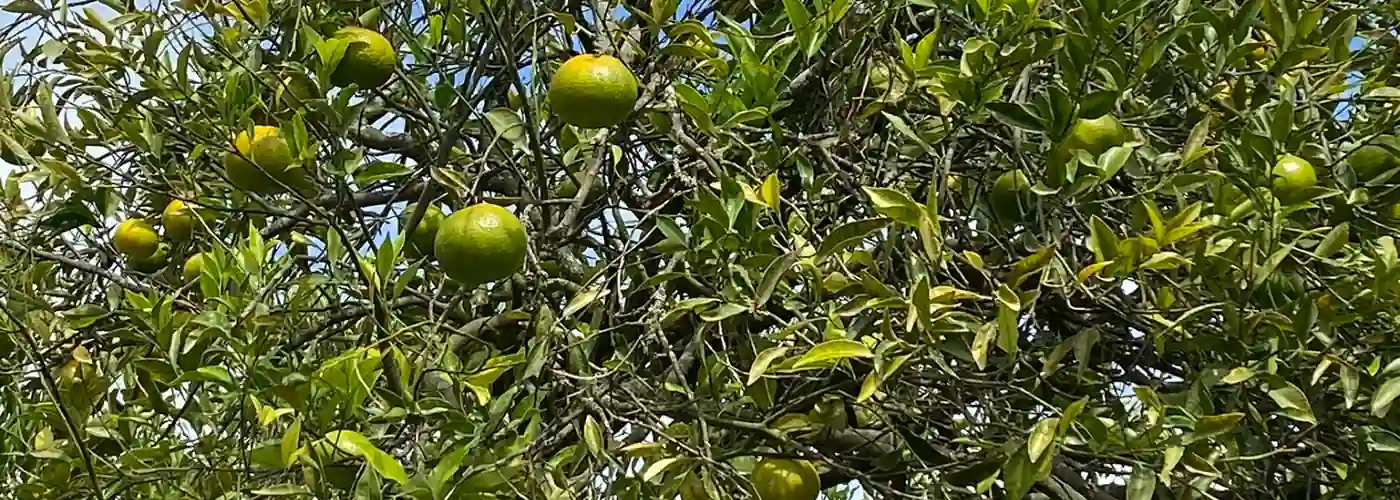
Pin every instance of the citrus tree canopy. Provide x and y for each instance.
(699, 249)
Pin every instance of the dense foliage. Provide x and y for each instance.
(875, 235)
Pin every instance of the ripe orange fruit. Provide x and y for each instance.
(593, 91)
(1291, 177)
(267, 149)
(1096, 135)
(369, 59)
(1374, 158)
(136, 239)
(779, 479)
(480, 244)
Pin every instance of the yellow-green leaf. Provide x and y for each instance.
(290, 442)
(356, 444)
(831, 351)
(1041, 437)
(768, 192)
(1294, 403)
(1238, 375)
(761, 363)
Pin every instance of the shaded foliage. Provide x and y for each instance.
(794, 247)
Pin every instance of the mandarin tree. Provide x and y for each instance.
(699, 249)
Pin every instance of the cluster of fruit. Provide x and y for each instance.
(1291, 179)
(475, 245)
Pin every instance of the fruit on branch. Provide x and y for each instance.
(369, 59)
(194, 266)
(593, 91)
(1096, 135)
(1375, 158)
(178, 220)
(782, 479)
(420, 243)
(1292, 176)
(136, 239)
(480, 244)
(266, 148)
(153, 263)
(1011, 196)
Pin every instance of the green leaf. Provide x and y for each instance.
(746, 116)
(84, 315)
(282, 490)
(895, 205)
(903, 128)
(1102, 241)
(1194, 148)
(1113, 160)
(1042, 437)
(331, 51)
(658, 467)
(507, 124)
(585, 298)
(447, 467)
(1008, 298)
(769, 191)
(1170, 458)
(761, 363)
(291, 441)
(1008, 330)
(1019, 115)
(1351, 384)
(1141, 484)
(695, 105)
(593, 436)
(370, 18)
(831, 351)
(26, 7)
(774, 275)
(1238, 375)
(1031, 264)
(924, 51)
(1266, 270)
(1159, 227)
(1282, 123)
(356, 444)
(53, 128)
(982, 343)
(378, 171)
(1334, 241)
(1214, 425)
(1019, 474)
(848, 234)
(1071, 413)
(209, 373)
(868, 387)
(480, 383)
(1294, 403)
(1098, 103)
(1384, 397)
(723, 312)
(369, 487)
